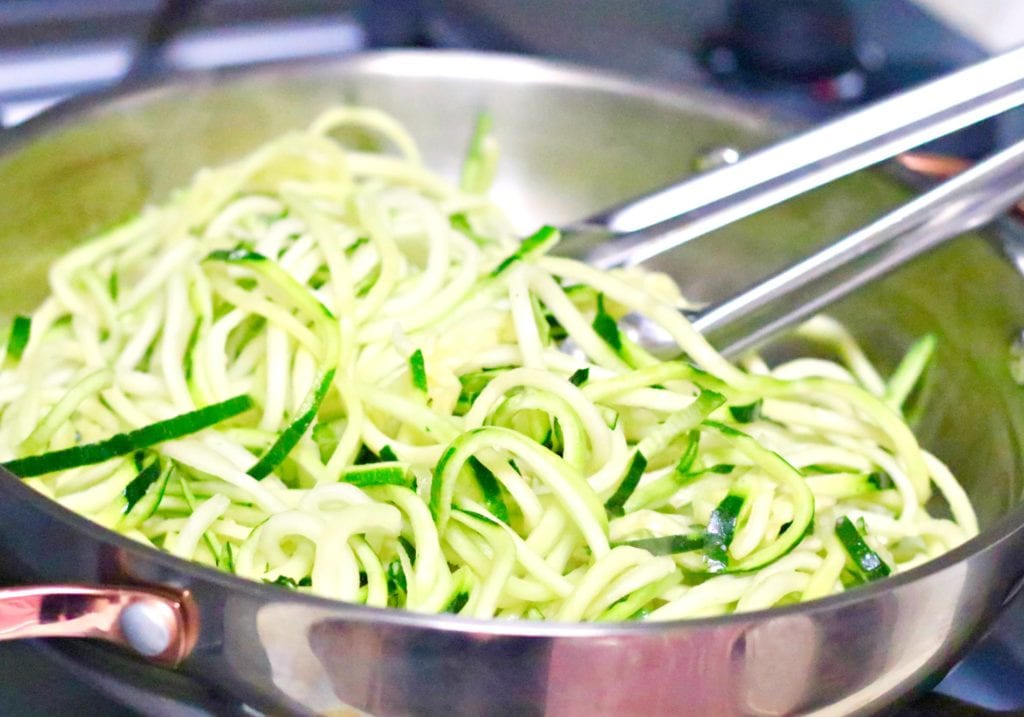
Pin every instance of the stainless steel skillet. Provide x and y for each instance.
(573, 142)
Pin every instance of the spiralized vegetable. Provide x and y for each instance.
(446, 418)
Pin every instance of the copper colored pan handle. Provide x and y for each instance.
(159, 625)
(941, 167)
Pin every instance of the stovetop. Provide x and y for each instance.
(850, 52)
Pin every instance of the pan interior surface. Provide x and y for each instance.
(571, 143)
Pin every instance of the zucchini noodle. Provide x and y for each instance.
(338, 372)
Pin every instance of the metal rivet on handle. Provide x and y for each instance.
(146, 628)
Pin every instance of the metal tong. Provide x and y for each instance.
(651, 225)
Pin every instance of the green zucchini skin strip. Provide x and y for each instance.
(460, 223)
(579, 377)
(748, 413)
(491, 489)
(21, 331)
(135, 490)
(472, 384)
(606, 327)
(572, 490)
(122, 444)
(398, 585)
(418, 370)
(637, 465)
(869, 564)
(720, 531)
(290, 436)
(146, 504)
(537, 243)
(366, 456)
(668, 544)
(791, 479)
(689, 453)
(283, 581)
(374, 474)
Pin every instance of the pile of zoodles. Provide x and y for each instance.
(338, 372)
